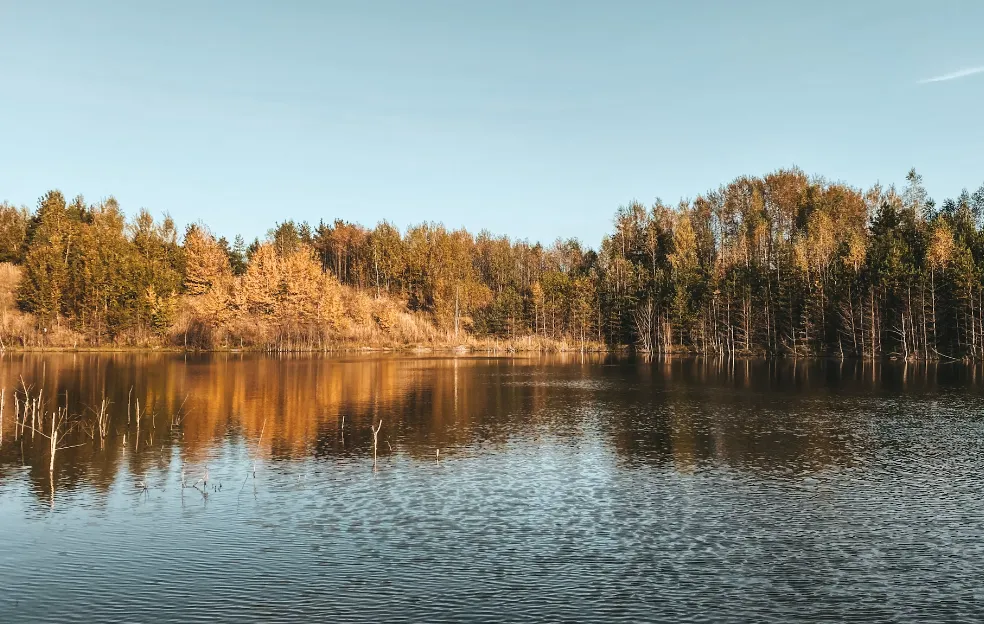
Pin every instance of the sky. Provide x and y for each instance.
(535, 118)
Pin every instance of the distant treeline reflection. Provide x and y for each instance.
(753, 414)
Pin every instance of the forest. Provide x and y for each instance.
(780, 265)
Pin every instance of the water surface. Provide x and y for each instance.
(566, 488)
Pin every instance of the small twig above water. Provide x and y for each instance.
(375, 441)
(178, 417)
(142, 487)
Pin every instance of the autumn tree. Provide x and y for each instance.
(207, 279)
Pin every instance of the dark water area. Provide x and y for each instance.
(566, 488)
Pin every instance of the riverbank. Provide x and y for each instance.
(509, 347)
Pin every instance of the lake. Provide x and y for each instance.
(542, 488)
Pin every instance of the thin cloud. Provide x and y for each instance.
(960, 73)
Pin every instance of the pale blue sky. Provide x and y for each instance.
(536, 119)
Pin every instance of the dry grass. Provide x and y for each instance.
(532, 344)
(383, 322)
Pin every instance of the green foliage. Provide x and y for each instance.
(85, 266)
(237, 256)
(13, 233)
(45, 282)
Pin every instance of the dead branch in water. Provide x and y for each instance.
(202, 479)
(55, 435)
(254, 456)
(375, 441)
(136, 444)
(34, 413)
(178, 417)
(102, 421)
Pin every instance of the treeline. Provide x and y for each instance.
(787, 264)
(783, 264)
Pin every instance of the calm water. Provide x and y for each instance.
(566, 489)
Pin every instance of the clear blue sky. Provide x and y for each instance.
(536, 119)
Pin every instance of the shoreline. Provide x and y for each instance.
(506, 351)
(417, 349)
